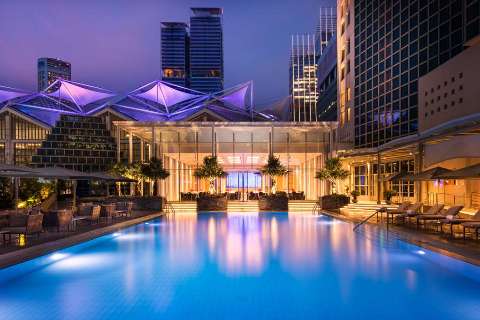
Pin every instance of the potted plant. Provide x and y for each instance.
(275, 201)
(210, 170)
(332, 172)
(354, 195)
(273, 168)
(388, 194)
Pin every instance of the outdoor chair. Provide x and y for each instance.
(25, 224)
(124, 209)
(411, 211)
(444, 214)
(90, 214)
(457, 221)
(400, 210)
(473, 223)
(435, 209)
(60, 219)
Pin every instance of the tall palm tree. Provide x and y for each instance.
(332, 172)
(210, 170)
(273, 169)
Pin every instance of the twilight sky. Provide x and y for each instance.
(115, 44)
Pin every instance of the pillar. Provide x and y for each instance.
(418, 159)
(9, 147)
(379, 180)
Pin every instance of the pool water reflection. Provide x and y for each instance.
(240, 266)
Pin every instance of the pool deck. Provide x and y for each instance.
(52, 241)
(465, 250)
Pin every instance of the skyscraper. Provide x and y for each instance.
(206, 50)
(395, 43)
(303, 78)
(326, 28)
(175, 53)
(50, 69)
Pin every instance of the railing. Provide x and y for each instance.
(369, 217)
(168, 208)
(472, 200)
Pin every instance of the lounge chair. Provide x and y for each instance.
(473, 223)
(435, 209)
(411, 211)
(401, 209)
(457, 221)
(450, 212)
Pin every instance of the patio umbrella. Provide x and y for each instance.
(470, 172)
(430, 174)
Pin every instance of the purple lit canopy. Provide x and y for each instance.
(155, 101)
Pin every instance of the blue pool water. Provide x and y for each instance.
(266, 266)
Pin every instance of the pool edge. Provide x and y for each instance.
(404, 236)
(22, 255)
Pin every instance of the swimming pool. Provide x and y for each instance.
(245, 266)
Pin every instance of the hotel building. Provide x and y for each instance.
(403, 96)
(87, 128)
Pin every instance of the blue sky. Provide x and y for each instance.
(115, 44)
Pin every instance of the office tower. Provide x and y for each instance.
(50, 69)
(396, 42)
(303, 78)
(206, 50)
(175, 53)
(326, 28)
(327, 83)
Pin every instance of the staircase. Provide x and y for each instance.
(184, 206)
(240, 206)
(363, 209)
(301, 206)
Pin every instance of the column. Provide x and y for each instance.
(130, 160)
(379, 178)
(418, 159)
(118, 143)
(9, 147)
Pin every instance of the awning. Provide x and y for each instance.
(470, 172)
(430, 174)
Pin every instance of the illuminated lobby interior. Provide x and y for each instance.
(241, 148)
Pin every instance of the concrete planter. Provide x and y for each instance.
(140, 203)
(273, 203)
(212, 203)
(333, 201)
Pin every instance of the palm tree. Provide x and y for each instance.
(210, 170)
(332, 172)
(130, 171)
(273, 169)
(154, 170)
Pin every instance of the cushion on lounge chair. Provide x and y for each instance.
(471, 224)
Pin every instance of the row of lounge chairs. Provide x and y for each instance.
(435, 215)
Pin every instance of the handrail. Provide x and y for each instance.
(383, 209)
(315, 208)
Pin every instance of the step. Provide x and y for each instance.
(240, 206)
(184, 206)
(301, 206)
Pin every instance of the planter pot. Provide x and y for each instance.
(212, 203)
(273, 203)
(334, 201)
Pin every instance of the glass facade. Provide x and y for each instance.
(175, 53)
(396, 42)
(206, 50)
(241, 148)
